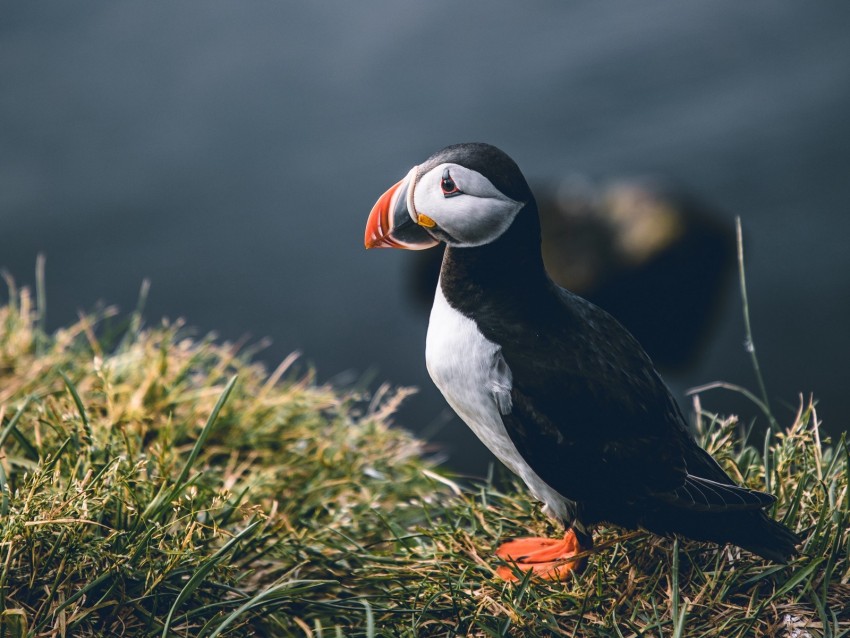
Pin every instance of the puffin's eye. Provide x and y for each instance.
(448, 185)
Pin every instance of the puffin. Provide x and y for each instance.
(555, 387)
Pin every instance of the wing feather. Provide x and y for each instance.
(704, 495)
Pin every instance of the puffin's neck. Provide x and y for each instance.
(493, 279)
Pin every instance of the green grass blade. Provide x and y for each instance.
(798, 577)
(202, 571)
(165, 496)
(41, 302)
(4, 488)
(280, 590)
(750, 343)
(679, 622)
(205, 432)
(12, 428)
(87, 432)
(674, 575)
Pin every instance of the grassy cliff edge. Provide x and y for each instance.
(153, 484)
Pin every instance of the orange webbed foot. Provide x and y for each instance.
(548, 558)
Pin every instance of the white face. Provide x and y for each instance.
(464, 204)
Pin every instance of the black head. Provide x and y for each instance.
(489, 161)
(465, 195)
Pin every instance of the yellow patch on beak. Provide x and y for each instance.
(426, 221)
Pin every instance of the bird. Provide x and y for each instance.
(555, 387)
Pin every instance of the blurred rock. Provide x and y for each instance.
(648, 253)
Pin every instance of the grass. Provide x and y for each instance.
(157, 484)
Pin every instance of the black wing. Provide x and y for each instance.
(590, 414)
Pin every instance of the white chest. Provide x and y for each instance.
(460, 361)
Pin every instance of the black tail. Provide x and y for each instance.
(752, 530)
(764, 536)
(730, 514)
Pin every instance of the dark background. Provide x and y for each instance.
(230, 152)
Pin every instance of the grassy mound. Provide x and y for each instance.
(152, 484)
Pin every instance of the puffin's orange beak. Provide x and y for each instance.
(390, 224)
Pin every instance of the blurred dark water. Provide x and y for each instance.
(230, 152)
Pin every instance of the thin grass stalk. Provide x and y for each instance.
(41, 303)
(749, 342)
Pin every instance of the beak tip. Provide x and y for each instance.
(390, 224)
(372, 239)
